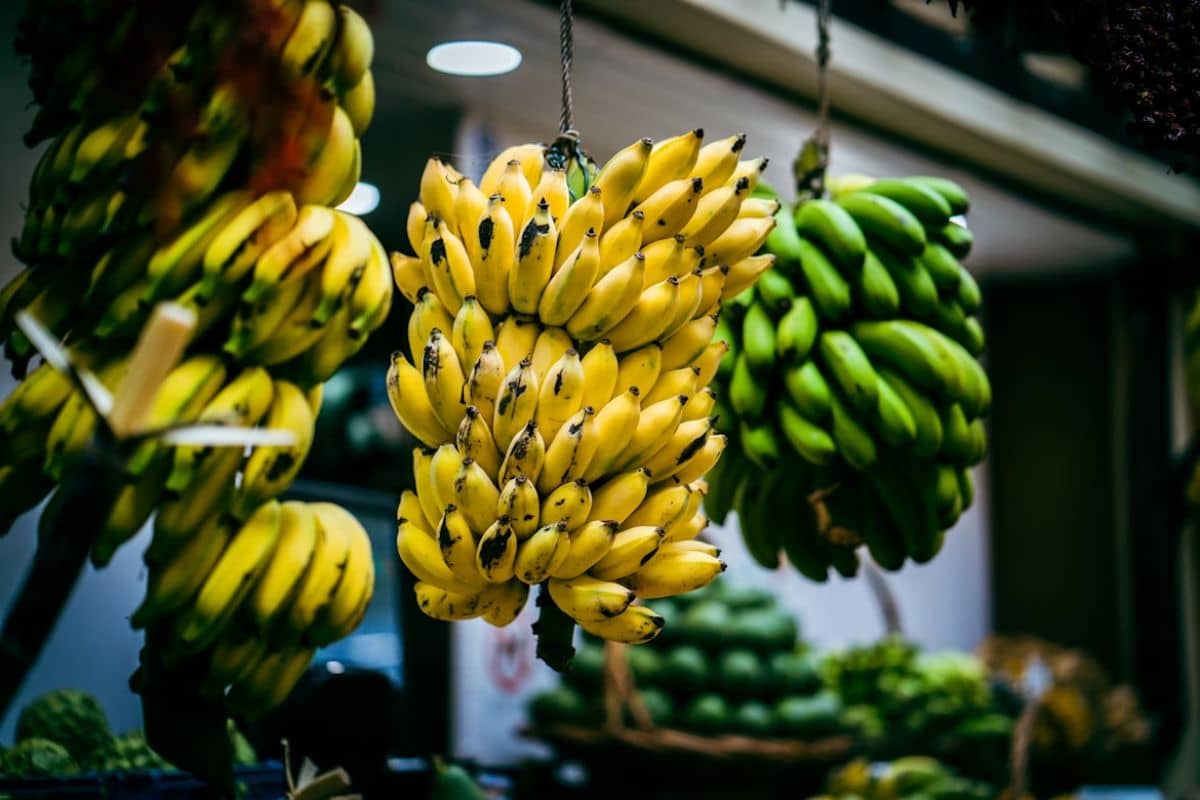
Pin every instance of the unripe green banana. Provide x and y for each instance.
(747, 395)
(832, 226)
(812, 442)
(809, 391)
(758, 337)
(796, 331)
(759, 444)
(848, 366)
(923, 412)
(829, 290)
(953, 194)
(918, 198)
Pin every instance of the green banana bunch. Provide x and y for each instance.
(851, 369)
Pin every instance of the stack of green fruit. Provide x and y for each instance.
(730, 666)
(65, 732)
(851, 386)
(900, 700)
(204, 171)
(907, 777)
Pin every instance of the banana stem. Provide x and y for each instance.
(68, 526)
(554, 630)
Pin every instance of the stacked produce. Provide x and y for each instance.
(909, 776)
(65, 732)
(731, 665)
(196, 152)
(561, 356)
(851, 390)
(901, 701)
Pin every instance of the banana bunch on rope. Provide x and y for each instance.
(851, 392)
(561, 354)
(208, 178)
(249, 601)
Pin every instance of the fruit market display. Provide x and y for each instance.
(196, 151)
(560, 355)
(851, 394)
(65, 732)
(731, 664)
(909, 776)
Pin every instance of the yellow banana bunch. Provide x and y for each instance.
(560, 350)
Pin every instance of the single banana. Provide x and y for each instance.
(611, 300)
(496, 554)
(675, 572)
(534, 263)
(270, 470)
(530, 159)
(516, 339)
(536, 554)
(620, 177)
(669, 160)
(637, 625)
(504, 602)
(444, 380)
(519, 502)
(236, 249)
(288, 565)
(303, 247)
(444, 466)
(406, 393)
(445, 605)
(688, 344)
(525, 455)
(230, 580)
(588, 599)
(483, 384)
(589, 543)
(741, 239)
(516, 404)
(716, 161)
(631, 549)
(439, 192)
(613, 423)
(551, 345)
(620, 496)
(648, 319)
(655, 427)
(581, 217)
(560, 395)
(497, 253)
(620, 241)
(744, 273)
(423, 558)
(569, 286)
(470, 330)
(474, 440)
(346, 265)
(346, 606)
(570, 503)
(408, 275)
(570, 451)
(689, 438)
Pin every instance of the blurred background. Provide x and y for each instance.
(1085, 246)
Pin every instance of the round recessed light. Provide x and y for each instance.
(473, 58)
(363, 199)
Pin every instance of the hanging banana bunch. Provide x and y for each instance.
(851, 392)
(208, 176)
(560, 352)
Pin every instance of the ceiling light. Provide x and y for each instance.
(363, 199)
(473, 58)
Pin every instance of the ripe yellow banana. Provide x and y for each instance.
(474, 440)
(671, 159)
(406, 392)
(716, 161)
(471, 329)
(428, 313)
(371, 298)
(670, 208)
(236, 249)
(517, 194)
(230, 580)
(504, 602)
(570, 504)
(345, 266)
(515, 340)
(684, 530)
(589, 543)
(181, 514)
(131, 508)
(534, 262)
(552, 187)
(443, 468)
(476, 494)
(289, 562)
(519, 502)
(663, 504)
(620, 495)
(410, 509)
(525, 455)
(458, 547)
(530, 159)
(470, 206)
(619, 178)
(313, 36)
(408, 274)
(483, 384)
(655, 427)
(423, 558)
(680, 381)
(445, 605)
(600, 367)
(613, 424)
(516, 404)
(583, 216)
(497, 253)
(611, 299)
(423, 479)
(631, 548)
(536, 554)
(744, 273)
(570, 451)
(677, 572)
(569, 286)
(444, 380)
(670, 257)
(687, 344)
(439, 192)
(620, 241)
(496, 554)
(560, 395)
(637, 625)
(344, 609)
(450, 268)
(650, 316)
(739, 240)
(588, 599)
(353, 50)
(321, 581)
(688, 440)
(551, 344)
(714, 213)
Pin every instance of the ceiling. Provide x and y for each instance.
(625, 89)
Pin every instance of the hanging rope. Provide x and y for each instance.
(566, 41)
(809, 166)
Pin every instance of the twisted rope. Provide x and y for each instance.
(566, 41)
